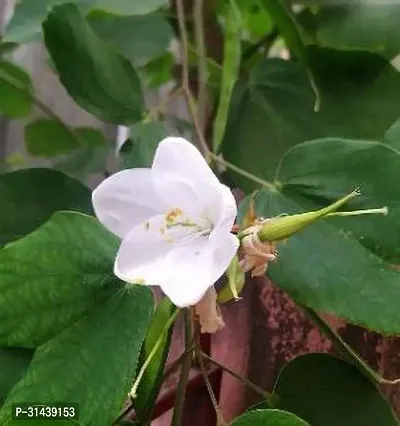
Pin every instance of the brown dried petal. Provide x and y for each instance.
(208, 312)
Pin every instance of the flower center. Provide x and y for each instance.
(176, 222)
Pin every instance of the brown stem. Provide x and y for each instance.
(185, 79)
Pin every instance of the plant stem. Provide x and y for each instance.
(383, 210)
(266, 42)
(185, 370)
(242, 172)
(220, 418)
(199, 356)
(244, 380)
(185, 80)
(152, 353)
(198, 17)
(123, 413)
(159, 108)
(344, 349)
(174, 366)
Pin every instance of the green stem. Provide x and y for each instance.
(220, 418)
(264, 42)
(191, 104)
(198, 19)
(174, 366)
(382, 210)
(244, 380)
(242, 172)
(152, 353)
(344, 349)
(183, 381)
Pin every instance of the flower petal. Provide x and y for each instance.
(197, 266)
(178, 156)
(184, 264)
(224, 211)
(143, 256)
(130, 197)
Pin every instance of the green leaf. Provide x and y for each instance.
(129, 7)
(14, 363)
(139, 149)
(269, 418)
(255, 18)
(158, 71)
(53, 277)
(392, 136)
(47, 138)
(326, 391)
(273, 111)
(340, 266)
(28, 16)
(136, 37)
(89, 159)
(26, 20)
(290, 30)
(105, 84)
(151, 382)
(371, 26)
(15, 89)
(7, 47)
(29, 197)
(92, 363)
(325, 169)
(24, 25)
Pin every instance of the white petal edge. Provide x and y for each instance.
(133, 196)
(225, 210)
(144, 254)
(178, 156)
(184, 270)
(141, 255)
(187, 281)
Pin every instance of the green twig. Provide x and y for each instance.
(175, 365)
(198, 17)
(220, 419)
(344, 349)
(244, 380)
(191, 104)
(382, 210)
(240, 171)
(152, 353)
(185, 370)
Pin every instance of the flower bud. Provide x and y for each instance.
(258, 241)
(282, 227)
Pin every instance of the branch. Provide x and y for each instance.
(198, 17)
(183, 381)
(265, 394)
(185, 80)
(220, 418)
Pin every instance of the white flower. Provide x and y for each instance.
(175, 222)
